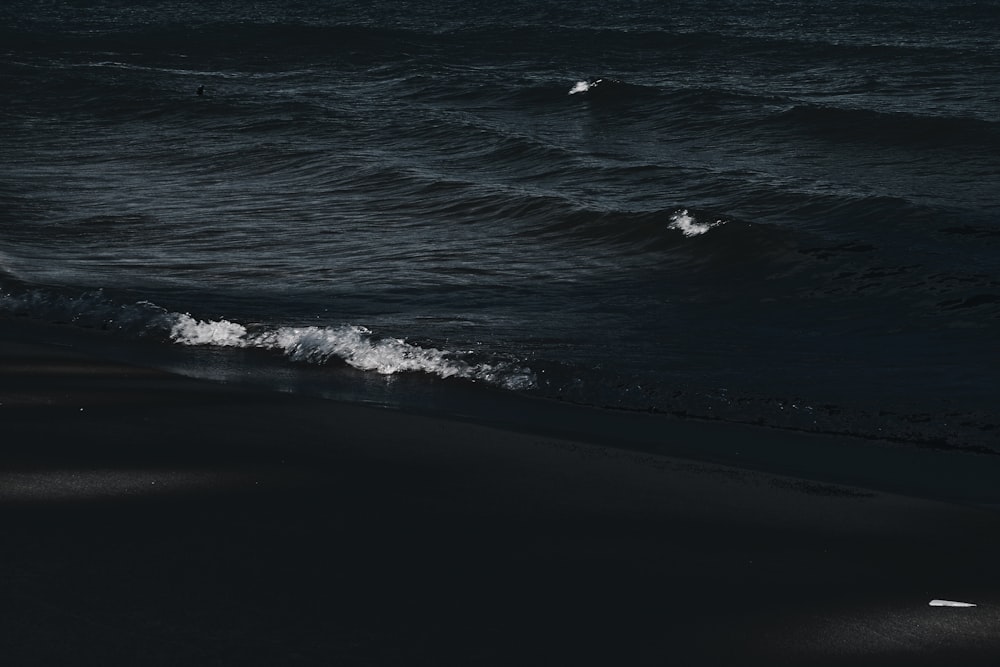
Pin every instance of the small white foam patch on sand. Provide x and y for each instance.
(689, 226)
(950, 603)
(356, 346)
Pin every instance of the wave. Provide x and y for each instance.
(733, 111)
(684, 233)
(366, 34)
(355, 346)
(689, 226)
(587, 39)
(910, 130)
(607, 87)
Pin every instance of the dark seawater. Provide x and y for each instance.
(784, 213)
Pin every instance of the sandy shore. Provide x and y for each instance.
(150, 519)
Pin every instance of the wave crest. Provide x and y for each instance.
(356, 346)
(690, 226)
(186, 330)
(359, 348)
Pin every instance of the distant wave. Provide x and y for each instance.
(687, 225)
(610, 89)
(686, 234)
(886, 127)
(595, 86)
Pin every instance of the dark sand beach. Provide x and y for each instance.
(608, 333)
(153, 519)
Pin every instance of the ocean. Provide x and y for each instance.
(783, 213)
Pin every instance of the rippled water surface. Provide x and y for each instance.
(776, 212)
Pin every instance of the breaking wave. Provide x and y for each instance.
(353, 345)
(689, 226)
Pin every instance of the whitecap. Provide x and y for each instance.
(689, 226)
(354, 345)
(357, 347)
(186, 330)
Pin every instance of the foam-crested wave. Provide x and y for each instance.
(634, 233)
(689, 226)
(356, 346)
(611, 90)
(595, 85)
(353, 345)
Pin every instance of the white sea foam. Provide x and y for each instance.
(186, 330)
(356, 346)
(359, 348)
(950, 603)
(579, 87)
(689, 226)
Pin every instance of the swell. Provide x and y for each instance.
(158, 64)
(910, 130)
(733, 111)
(212, 37)
(214, 43)
(703, 42)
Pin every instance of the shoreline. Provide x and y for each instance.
(948, 474)
(149, 518)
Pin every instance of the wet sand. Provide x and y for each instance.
(152, 519)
